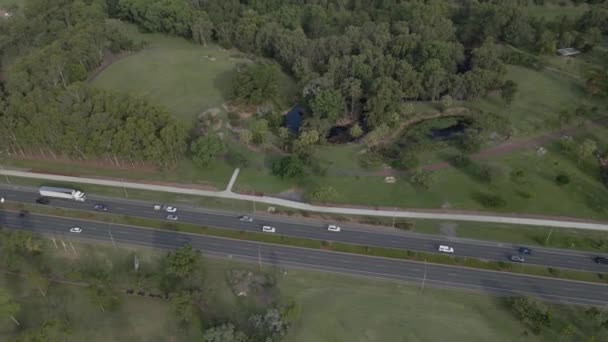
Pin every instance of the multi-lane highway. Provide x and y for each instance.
(413, 272)
(316, 230)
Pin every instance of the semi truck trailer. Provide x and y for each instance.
(70, 194)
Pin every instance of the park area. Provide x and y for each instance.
(378, 310)
(514, 176)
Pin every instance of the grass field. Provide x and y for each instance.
(331, 307)
(184, 77)
(338, 308)
(540, 97)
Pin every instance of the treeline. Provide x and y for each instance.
(48, 50)
(371, 57)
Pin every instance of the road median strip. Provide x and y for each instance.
(403, 254)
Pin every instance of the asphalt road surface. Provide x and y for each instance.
(421, 274)
(354, 234)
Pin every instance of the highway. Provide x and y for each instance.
(420, 274)
(354, 234)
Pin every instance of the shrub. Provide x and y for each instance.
(562, 179)
(490, 200)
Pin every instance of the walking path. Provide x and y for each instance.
(321, 209)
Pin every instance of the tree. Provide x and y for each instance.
(224, 333)
(421, 179)
(351, 90)
(408, 160)
(256, 84)
(508, 91)
(355, 131)
(260, 131)
(375, 137)
(204, 149)
(586, 149)
(182, 262)
(327, 104)
(532, 313)
(446, 102)
(288, 167)
(567, 143)
(8, 307)
(182, 303)
(470, 141)
(567, 331)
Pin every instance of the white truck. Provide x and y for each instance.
(71, 194)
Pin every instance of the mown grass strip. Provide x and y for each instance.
(392, 253)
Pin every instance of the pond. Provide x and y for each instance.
(449, 132)
(293, 119)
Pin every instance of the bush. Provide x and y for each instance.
(461, 161)
(288, 167)
(562, 179)
(490, 200)
(370, 160)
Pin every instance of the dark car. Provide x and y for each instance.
(22, 213)
(43, 200)
(601, 260)
(100, 207)
(525, 250)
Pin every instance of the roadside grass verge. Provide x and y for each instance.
(323, 245)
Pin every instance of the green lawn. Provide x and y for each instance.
(540, 97)
(553, 11)
(184, 77)
(341, 308)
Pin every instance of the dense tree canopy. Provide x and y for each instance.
(47, 51)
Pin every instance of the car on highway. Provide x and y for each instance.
(333, 228)
(601, 260)
(100, 207)
(170, 209)
(75, 230)
(445, 249)
(172, 217)
(517, 258)
(158, 207)
(268, 229)
(23, 213)
(43, 200)
(1, 200)
(245, 218)
(525, 250)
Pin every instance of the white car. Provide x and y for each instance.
(172, 217)
(246, 218)
(170, 209)
(1, 200)
(445, 249)
(158, 207)
(268, 229)
(333, 228)
(75, 230)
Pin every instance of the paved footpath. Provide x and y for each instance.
(321, 209)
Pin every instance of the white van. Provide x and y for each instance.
(268, 229)
(333, 228)
(445, 249)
